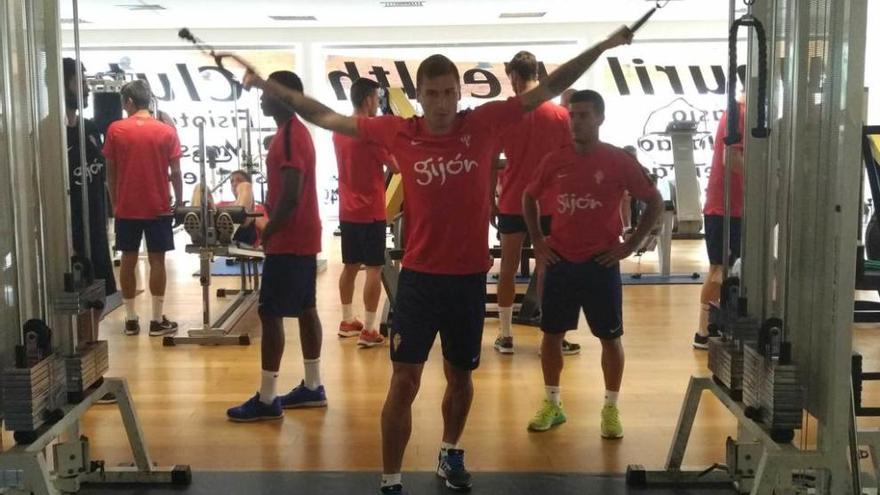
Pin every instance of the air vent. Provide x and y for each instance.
(293, 18)
(403, 3)
(521, 15)
(141, 6)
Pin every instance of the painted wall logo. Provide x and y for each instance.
(431, 169)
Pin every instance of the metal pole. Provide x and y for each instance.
(204, 256)
(84, 169)
(728, 175)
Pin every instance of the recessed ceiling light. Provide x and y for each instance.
(404, 3)
(293, 18)
(141, 6)
(521, 15)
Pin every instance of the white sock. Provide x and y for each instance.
(391, 480)
(447, 446)
(611, 398)
(370, 320)
(347, 313)
(130, 313)
(505, 316)
(313, 373)
(158, 303)
(554, 394)
(704, 320)
(268, 386)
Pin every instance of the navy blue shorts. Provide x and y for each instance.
(159, 234)
(288, 285)
(513, 224)
(453, 305)
(588, 286)
(363, 243)
(714, 227)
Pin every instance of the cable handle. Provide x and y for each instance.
(761, 130)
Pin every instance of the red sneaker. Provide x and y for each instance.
(370, 338)
(350, 328)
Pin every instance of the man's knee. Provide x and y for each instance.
(405, 381)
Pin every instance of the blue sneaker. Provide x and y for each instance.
(302, 396)
(393, 490)
(254, 410)
(450, 467)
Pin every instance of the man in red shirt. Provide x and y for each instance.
(445, 164)
(713, 214)
(541, 131)
(586, 180)
(361, 216)
(140, 153)
(292, 241)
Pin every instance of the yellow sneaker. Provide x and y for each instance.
(547, 417)
(611, 427)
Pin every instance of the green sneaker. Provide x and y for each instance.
(547, 417)
(611, 427)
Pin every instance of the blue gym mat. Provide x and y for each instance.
(219, 268)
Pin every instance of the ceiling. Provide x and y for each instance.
(139, 14)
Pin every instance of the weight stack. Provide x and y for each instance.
(726, 363)
(30, 394)
(744, 329)
(86, 368)
(773, 390)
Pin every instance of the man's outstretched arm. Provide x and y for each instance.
(568, 73)
(308, 108)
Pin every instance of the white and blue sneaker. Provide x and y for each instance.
(302, 396)
(255, 410)
(450, 467)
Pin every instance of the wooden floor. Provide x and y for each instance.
(182, 393)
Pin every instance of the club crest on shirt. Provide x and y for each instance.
(599, 176)
(466, 139)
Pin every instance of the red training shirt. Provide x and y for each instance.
(300, 234)
(586, 190)
(141, 149)
(545, 129)
(446, 184)
(361, 179)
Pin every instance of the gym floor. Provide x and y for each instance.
(182, 393)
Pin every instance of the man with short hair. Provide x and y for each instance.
(541, 131)
(587, 180)
(361, 217)
(141, 154)
(292, 241)
(445, 160)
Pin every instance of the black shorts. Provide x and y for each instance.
(159, 234)
(246, 234)
(363, 243)
(288, 285)
(714, 227)
(588, 286)
(454, 305)
(512, 224)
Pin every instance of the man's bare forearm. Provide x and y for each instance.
(312, 110)
(648, 219)
(531, 216)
